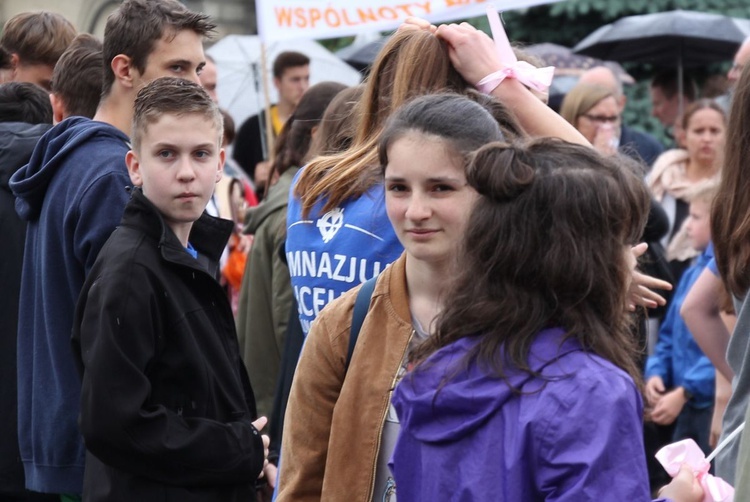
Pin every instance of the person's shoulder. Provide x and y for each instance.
(253, 120)
(124, 248)
(337, 315)
(583, 372)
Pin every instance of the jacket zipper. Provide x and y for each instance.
(382, 420)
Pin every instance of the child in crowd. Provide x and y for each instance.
(166, 406)
(679, 377)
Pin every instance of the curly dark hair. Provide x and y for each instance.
(546, 246)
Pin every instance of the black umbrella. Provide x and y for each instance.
(569, 66)
(568, 63)
(674, 38)
(361, 56)
(677, 38)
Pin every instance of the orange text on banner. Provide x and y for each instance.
(300, 17)
(462, 3)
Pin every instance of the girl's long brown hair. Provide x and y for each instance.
(545, 246)
(730, 217)
(412, 63)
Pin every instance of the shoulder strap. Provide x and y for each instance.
(361, 307)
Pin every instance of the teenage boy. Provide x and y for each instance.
(679, 377)
(291, 77)
(166, 405)
(72, 193)
(33, 42)
(77, 79)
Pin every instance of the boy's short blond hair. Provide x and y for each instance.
(704, 191)
(176, 96)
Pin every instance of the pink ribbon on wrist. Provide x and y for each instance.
(538, 79)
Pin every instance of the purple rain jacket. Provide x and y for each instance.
(577, 438)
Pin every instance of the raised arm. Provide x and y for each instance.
(700, 310)
(474, 56)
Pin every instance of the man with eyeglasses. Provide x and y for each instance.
(741, 57)
(636, 144)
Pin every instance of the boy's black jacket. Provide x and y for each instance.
(166, 405)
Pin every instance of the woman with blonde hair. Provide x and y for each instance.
(594, 111)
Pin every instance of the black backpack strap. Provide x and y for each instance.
(361, 307)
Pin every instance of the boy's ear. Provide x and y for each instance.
(134, 168)
(123, 69)
(14, 63)
(58, 108)
(222, 159)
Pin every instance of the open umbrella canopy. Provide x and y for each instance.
(362, 55)
(671, 38)
(238, 63)
(568, 63)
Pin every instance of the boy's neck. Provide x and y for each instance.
(285, 109)
(182, 231)
(117, 111)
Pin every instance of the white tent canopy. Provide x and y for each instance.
(238, 62)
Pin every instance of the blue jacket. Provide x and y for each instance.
(328, 254)
(576, 435)
(677, 359)
(72, 193)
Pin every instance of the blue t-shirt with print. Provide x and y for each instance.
(330, 253)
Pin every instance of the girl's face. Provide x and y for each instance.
(704, 135)
(427, 197)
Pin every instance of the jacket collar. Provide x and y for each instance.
(208, 235)
(397, 289)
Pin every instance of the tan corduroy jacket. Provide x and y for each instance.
(334, 418)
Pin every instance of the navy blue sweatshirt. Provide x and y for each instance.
(72, 194)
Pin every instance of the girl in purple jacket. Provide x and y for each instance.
(528, 391)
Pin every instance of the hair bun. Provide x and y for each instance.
(501, 171)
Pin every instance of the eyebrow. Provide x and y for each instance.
(183, 62)
(438, 179)
(204, 146)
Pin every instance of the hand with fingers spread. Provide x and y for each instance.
(471, 51)
(641, 287)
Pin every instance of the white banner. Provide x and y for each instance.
(290, 19)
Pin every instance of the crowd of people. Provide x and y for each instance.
(430, 286)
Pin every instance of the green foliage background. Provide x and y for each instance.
(568, 22)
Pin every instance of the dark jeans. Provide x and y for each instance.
(694, 423)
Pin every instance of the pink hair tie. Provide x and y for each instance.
(538, 79)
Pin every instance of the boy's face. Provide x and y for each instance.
(293, 84)
(208, 80)
(177, 166)
(181, 56)
(698, 224)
